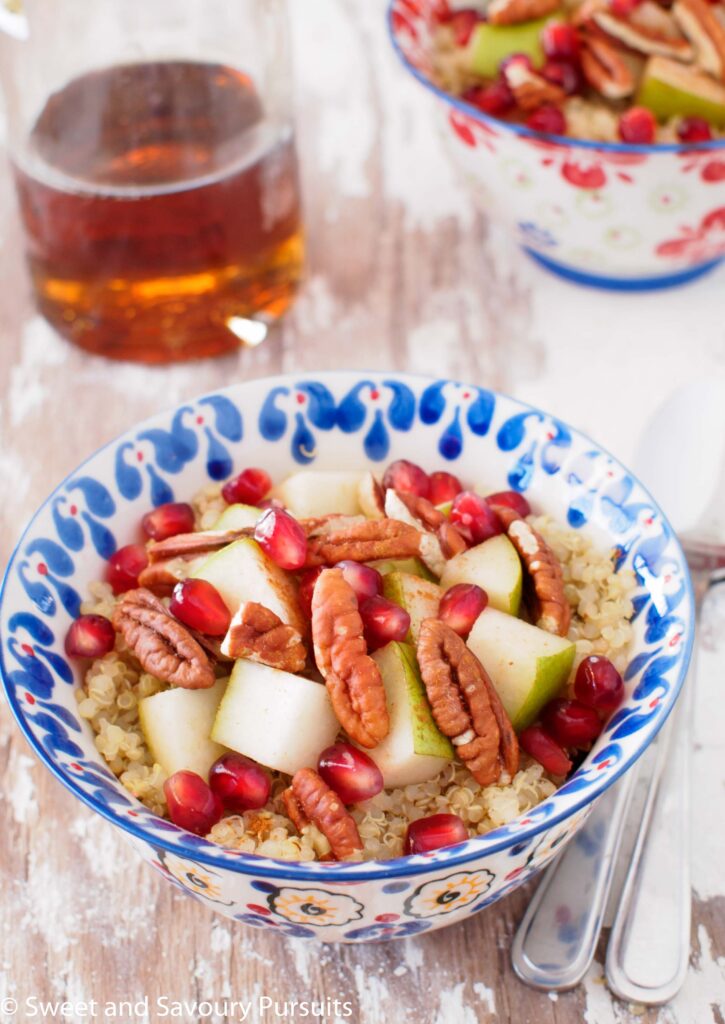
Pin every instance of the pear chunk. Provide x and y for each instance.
(670, 89)
(237, 517)
(242, 572)
(419, 597)
(494, 566)
(414, 750)
(527, 665)
(490, 44)
(279, 720)
(313, 493)
(412, 566)
(177, 725)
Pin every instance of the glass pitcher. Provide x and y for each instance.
(153, 149)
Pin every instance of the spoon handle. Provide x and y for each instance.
(558, 935)
(649, 945)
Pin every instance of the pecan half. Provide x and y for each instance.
(512, 12)
(370, 497)
(164, 647)
(465, 704)
(530, 89)
(605, 68)
(649, 29)
(551, 607)
(699, 22)
(188, 545)
(259, 634)
(310, 799)
(352, 678)
(293, 809)
(361, 540)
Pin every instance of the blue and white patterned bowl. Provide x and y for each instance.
(333, 420)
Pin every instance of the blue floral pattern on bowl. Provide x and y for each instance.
(333, 420)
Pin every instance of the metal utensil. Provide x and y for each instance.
(649, 944)
(557, 937)
(638, 968)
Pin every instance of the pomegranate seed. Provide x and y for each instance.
(383, 621)
(539, 745)
(547, 119)
(307, 585)
(623, 8)
(282, 538)
(364, 580)
(494, 99)
(694, 129)
(463, 23)
(248, 488)
(571, 723)
(567, 76)
(192, 804)
(407, 477)
(474, 517)
(351, 773)
(598, 684)
(125, 566)
(441, 12)
(461, 605)
(444, 487)
(240, 784)
(637, 125)
(199, 605)
(516, 58)
(90, 636)
(434, 832)
(560, 41)
(510, 499)
(168, 520)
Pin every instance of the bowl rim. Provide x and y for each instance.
(563, 141)
(355, 871)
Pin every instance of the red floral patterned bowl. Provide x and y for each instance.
(614, 215)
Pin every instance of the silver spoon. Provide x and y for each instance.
(547, 955)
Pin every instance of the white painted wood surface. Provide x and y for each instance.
(403, 273)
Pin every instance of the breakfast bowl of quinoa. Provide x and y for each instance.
(593, 129)
(346, 655)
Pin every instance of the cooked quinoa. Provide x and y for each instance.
(601, 602)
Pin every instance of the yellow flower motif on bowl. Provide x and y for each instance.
(445, 895)
(315, 907)
(193, 877)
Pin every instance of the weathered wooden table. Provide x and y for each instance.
(402, 273)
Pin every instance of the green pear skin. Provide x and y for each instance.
(490, 44)
(414, 750)
(527, 665)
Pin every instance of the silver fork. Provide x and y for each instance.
(645, 963)
(649, 944)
